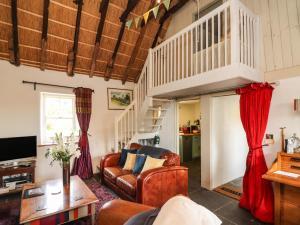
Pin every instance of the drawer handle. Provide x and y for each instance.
(295, 159)
(295, 167)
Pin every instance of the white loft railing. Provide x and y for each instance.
(228, 35)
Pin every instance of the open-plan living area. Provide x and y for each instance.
(150, 112)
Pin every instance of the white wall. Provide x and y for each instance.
(206, 133)
(184, 16)
(280, 33)
(283, 115)
(229, 146)
(20, 109)
(168, 132)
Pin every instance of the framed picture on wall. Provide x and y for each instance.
(119, 99)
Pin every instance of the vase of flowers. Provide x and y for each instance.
(62, 152)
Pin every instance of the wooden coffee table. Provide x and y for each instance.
(58, 204)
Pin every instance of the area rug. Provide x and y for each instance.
(232, 189)
(10, 204)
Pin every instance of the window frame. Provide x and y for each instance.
(43, 116)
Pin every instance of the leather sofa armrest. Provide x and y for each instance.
(117, 212)
(109, 160)
(156, 186)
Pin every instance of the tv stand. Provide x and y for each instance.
(16, 164)
(23, 172)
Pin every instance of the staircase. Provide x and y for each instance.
(218, 51)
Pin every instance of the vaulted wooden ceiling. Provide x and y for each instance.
(130, 55)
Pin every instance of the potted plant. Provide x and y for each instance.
(62, 152)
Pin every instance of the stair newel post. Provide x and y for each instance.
(235, 26)
(116, 135)
(135, 111)
(150, 71)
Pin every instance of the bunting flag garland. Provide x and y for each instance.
(137, 21)
(128, 23)
(146, 16)
(155, 11)
(167, 4)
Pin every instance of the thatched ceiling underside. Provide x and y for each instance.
(61, 27)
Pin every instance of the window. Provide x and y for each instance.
(57, 115)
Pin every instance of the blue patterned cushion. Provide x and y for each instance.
(139, 163)
(124, 155)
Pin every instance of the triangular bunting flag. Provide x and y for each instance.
(137, 21)
(167, 4)
(128, 23)
(155, 11)
(146, 16)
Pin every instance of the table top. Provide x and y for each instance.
(278, 178)
(65, 199)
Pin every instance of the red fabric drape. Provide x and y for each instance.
(255, 100)
(83, 165)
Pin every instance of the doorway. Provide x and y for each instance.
(228, 146)
(189, 139)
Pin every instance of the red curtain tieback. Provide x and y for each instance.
(255, 148)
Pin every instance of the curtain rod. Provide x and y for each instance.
(45, 84)
(191, 97)
(233, 89)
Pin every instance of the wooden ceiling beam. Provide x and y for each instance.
(110, 64)
(13, 43)
(72, 54)
(103, 12)
(166, 16)
(44, 34)
(136, 48)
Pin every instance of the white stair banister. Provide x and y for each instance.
(193, 52)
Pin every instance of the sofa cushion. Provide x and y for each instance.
(152, 151)
(123, 156)
(130, 161)
(127, 183)
(139, 163)
(113, 172)
(152, 163)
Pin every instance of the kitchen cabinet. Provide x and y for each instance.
(189, 147)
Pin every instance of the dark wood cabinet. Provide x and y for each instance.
(19, 169)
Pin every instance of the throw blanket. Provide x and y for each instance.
(179, 210)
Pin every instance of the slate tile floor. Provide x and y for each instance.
(225, 208)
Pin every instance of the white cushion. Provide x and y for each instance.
(181, 210)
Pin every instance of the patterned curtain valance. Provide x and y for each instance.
(83, 100)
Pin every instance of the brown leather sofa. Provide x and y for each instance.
(118, 212)
(153, 187)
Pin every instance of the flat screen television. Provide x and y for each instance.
(17, 148)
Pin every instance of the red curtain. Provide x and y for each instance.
(83, 165)
(257, 195)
